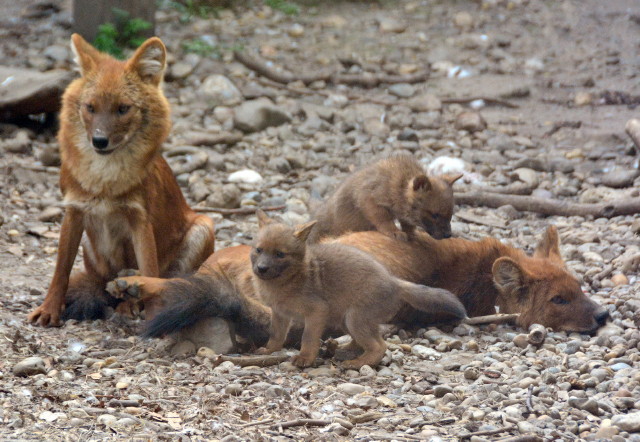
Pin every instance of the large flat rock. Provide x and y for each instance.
(24, 91)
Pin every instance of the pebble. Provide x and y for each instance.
(627, 422)
(257, 115)
(425, 352)
(585, 404)
(296, 30)
(463, 20)
(470, 121)
(619, 279)
(425, 103)
(620, 178)
(233, 389)
(20, 143)
(51, 417)
(402, 90)
(108, 420)
(441, 390)
(350, 389)
(247, 176)
(29, 367)
(219, 90)
(389, 24)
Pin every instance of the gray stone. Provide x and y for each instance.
(425, 103)
(256, 115)
(219, 90)
(233, 389)
(29, 367)
(20, 143)
(470, 121)
(181, 70)
(57, 53)
(350, 389)
(627, 422)
(619, 178)
(402, 90)
(388, 24)
(585, 404)
(441, 390)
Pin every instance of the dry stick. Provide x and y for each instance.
(524, 438)
(205, 139)
(239, 211)
(253, 424)
(498, 318)
(487, 100)
(302, 423)
(488, 432)
(365, 80)
(560, 124)
(550, 207)
(248, 361)
(633, 130)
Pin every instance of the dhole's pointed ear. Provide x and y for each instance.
(509, 277)
(549, 245)
(263, 219)
(421, 182)
(452, 177)
(149, 61)
(302, 232)
(85, 55)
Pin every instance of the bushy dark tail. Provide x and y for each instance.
(86, 298)
(432, 300)
(202, 295)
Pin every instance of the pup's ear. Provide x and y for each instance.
(549, 245)
(302, 232)
(263, 219)
(149, 61)
(84, 55)
(510, 278)
(421, 182)
(452, 177)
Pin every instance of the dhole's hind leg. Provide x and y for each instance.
(196, 247)
(367, 335)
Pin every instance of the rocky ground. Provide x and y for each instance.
(571, 68)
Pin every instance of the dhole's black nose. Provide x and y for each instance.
(601, 317)
(262, 269)
(100, 142)
(446, 235)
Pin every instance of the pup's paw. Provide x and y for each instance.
(124, 288)
(303, 361)
(399, 235)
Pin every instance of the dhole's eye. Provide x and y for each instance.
(91, 109)
(279, 254)
(559, 300)
(259, 250)
(123, 109)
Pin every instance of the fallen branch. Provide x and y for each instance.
(206, 139)
(633, 130)
(487, 432)
(302, 423)
(545, 206)
(238, 211)
(366, 79)
(249, 361)
(560, 124)
(487, 100)
(498, 318)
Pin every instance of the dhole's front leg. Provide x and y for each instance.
(382, 220)
(70, 235)
(280, 325)
(314, 325)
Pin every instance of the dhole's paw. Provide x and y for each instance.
(124, 288)
(303, 361)
(129, 308)
(263, 351)
(46, 316)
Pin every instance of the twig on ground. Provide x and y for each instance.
(247, 361)
(366, 79)
(238, 211)
(549, 206)
(487, 100)
(498, 318)
(524, 438)
(560, 124)
(302, 423)
(487, 432)
(529, 400)
(253, 424)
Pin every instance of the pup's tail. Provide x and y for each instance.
(203, 295)
(432, 300)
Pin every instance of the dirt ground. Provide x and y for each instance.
(570, 67)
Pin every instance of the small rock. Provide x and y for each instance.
(627, 422)
(425, 103)
(296, 30)
(206, 352)
(108, 420)
(247, 176)
(619, 279)
(256, 115)
(373, 126)
(521, 340)
(528, 176)
(388, 24)
(233, 389)
(463, 20)
(367, 371)
(470, 121)
(585, 404)
(583, 99)
(350, 389)
(366, 402)
(57, 53)
(402, 90)
(441, 390)
(51, 417)
(620, 178)
(29, 367)
(471, 373)
(51, 214)
(20, 143)
(181, 70)
(425, 352)
(219, 90)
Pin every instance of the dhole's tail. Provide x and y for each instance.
(202, 295)
(432, 300)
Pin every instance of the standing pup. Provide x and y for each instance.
(395, 188)
(331, 284)
(117, 188)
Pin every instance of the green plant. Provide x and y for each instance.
(125, 33)
(283, 6)
(193, 8)
(201, 47)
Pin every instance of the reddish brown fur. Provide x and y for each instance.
(395, 188)
(116, 185)
(481, 273)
